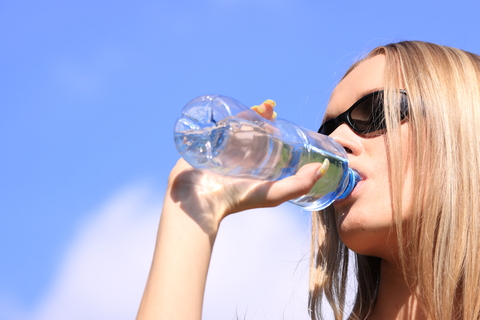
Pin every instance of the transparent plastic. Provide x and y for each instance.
(219, 134)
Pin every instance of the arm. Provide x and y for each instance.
(194, 206)
(177, 278)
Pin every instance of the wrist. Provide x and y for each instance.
(207, 215)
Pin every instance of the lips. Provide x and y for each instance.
(359, 185)
(354, 192)
(360, 173)
(362, 178)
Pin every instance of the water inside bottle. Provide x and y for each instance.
(244, 149)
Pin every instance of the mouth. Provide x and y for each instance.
(353, 193)
(360, 182)
(358, 185)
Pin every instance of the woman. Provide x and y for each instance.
(413, 221)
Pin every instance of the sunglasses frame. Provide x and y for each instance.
(345, 117)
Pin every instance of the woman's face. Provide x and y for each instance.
(365, 218)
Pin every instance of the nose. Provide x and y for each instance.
(350, 141)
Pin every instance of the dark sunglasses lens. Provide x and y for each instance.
(328, 127)
(367, 115)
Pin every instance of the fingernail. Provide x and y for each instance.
(270, 102)
(274, 115)
(321, 171)
(260, 109)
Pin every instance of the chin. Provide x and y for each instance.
(377, 243)
(359, 235)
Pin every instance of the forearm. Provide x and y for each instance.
(176, 283)
(194, 205)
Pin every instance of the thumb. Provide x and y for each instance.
(297, 185)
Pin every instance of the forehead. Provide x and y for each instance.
(365, 78)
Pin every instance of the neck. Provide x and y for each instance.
(396, 299)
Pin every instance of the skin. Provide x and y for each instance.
(194, 206)
(364, 219)
(196, 203)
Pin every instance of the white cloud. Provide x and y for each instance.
(259, 268)
(103, 274)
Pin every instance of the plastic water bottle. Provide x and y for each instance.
(219, 134)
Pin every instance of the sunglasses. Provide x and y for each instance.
(366, 115)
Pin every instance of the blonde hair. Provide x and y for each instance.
(440, 247)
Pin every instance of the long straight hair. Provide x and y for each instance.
(439, 247)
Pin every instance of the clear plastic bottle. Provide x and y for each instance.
(219, 134)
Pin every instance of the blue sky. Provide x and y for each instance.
(89, 93)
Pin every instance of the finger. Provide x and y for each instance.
(275, 193)
(179, 167)
(323, 169)
(269, 105)
(302, 182)
(266, 109)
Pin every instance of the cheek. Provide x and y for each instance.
(365, 224)
(370, 214)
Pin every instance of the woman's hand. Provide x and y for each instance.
(266, 109)
(208, 197)
(194, 205)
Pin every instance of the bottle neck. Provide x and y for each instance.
(350, 182)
